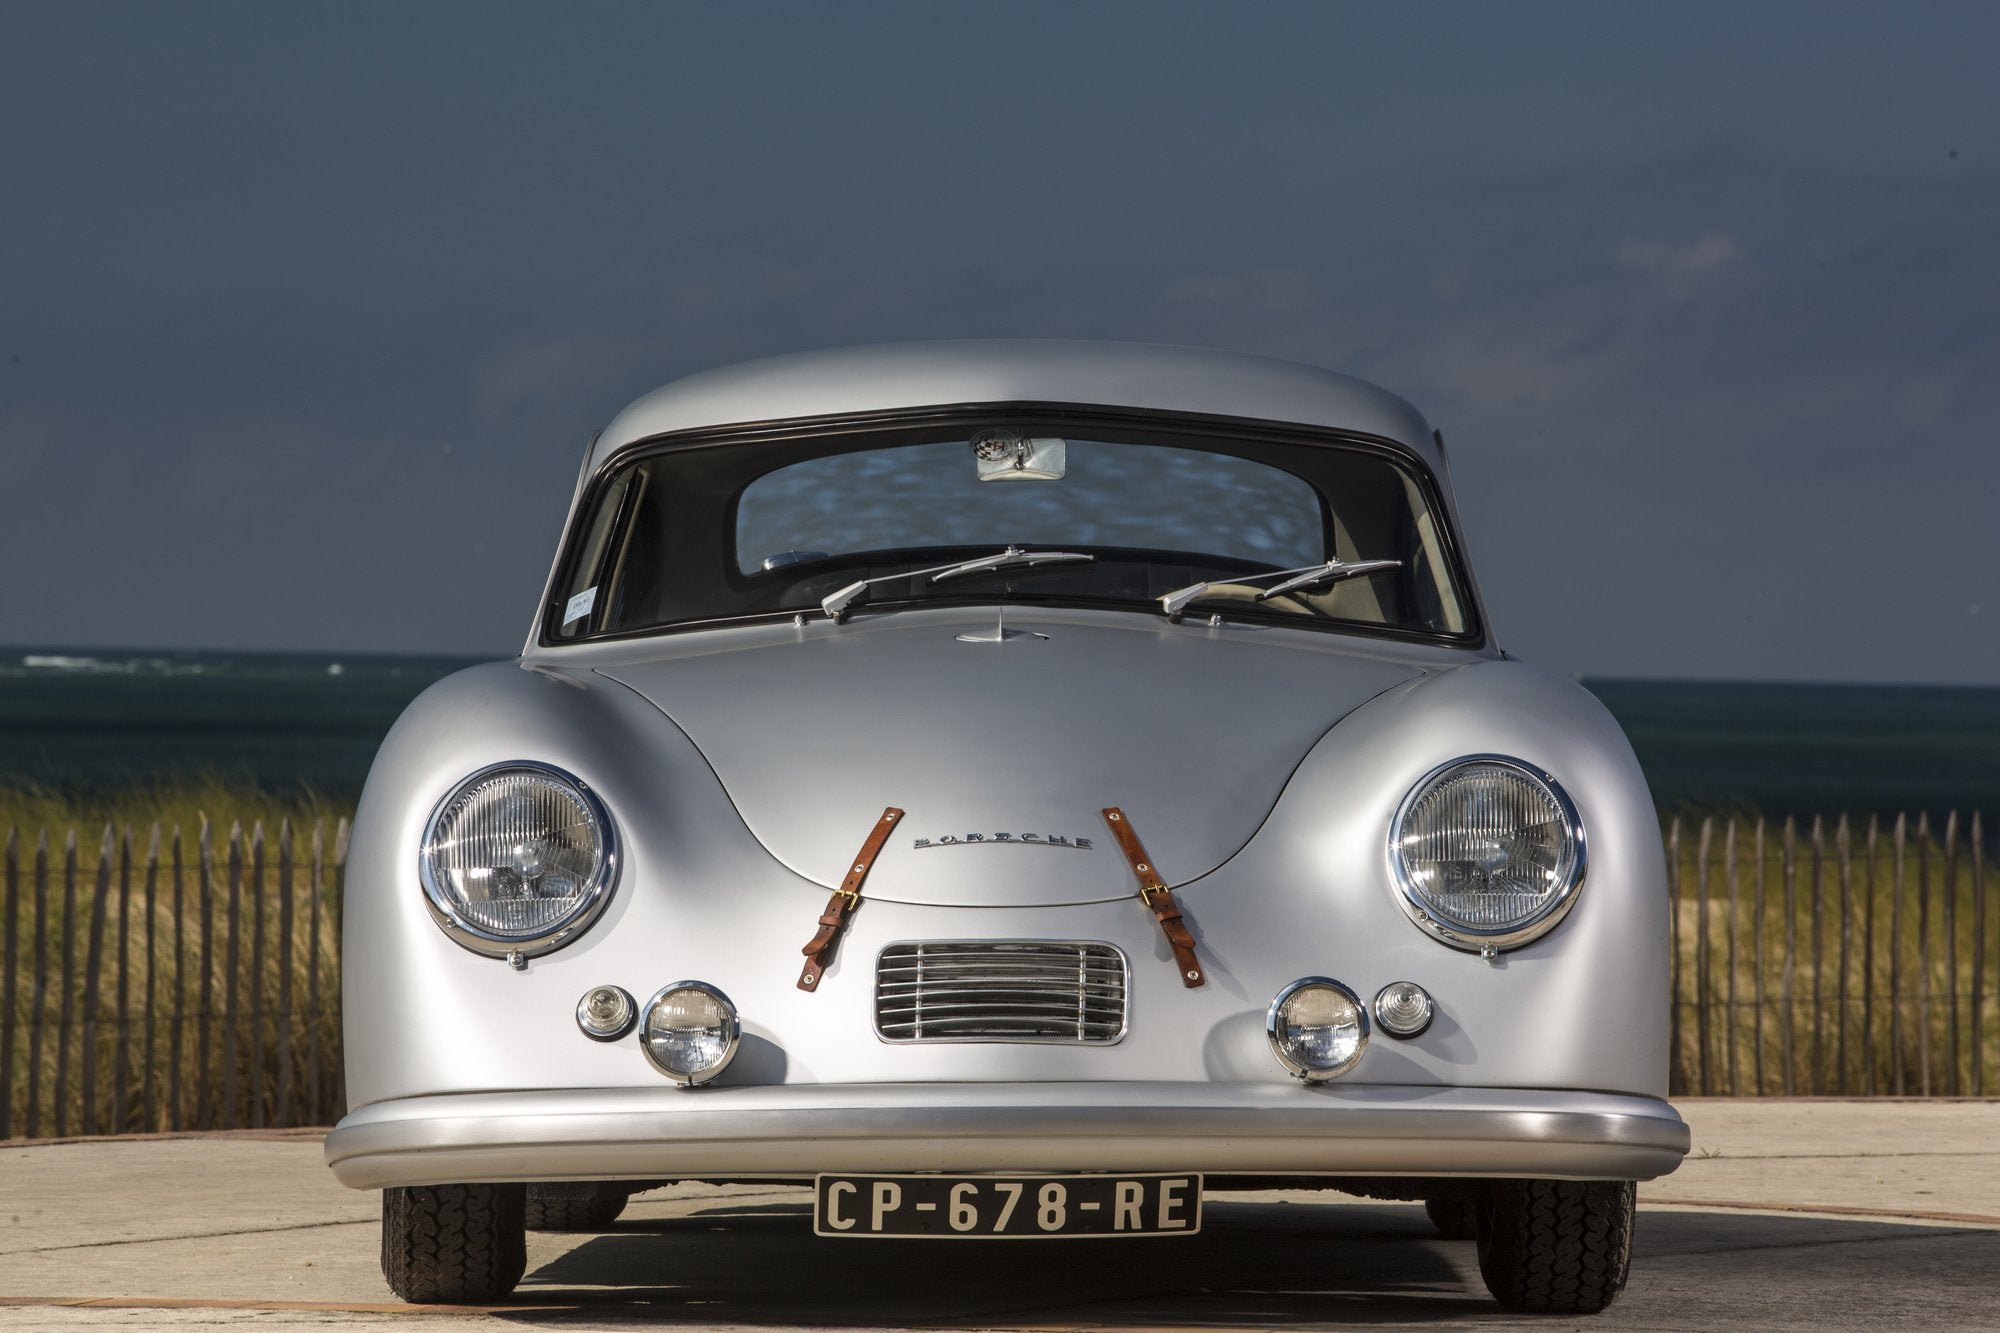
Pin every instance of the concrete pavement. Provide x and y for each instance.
(1804, 1214)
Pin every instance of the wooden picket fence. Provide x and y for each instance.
(170, 986)
(1842, 959)
(172, 983)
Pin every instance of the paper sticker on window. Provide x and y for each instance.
(579, 606)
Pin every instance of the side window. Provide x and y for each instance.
(585, 602)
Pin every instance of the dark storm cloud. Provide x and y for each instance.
(309, 312)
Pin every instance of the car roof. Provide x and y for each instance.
(853, 381)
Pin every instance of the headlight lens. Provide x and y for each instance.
(1488, 853)
(1318, 1028)
(518, 859)
(691, 1032)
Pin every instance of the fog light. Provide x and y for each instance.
(1318, 1028)
(1403, 1008)
(606, 1013)
(690, 1033)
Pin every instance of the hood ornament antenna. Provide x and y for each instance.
(1000, 633)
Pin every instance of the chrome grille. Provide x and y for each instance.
(1000, 990)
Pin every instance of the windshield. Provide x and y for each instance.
(696, 533)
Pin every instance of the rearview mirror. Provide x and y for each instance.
(1001, 455)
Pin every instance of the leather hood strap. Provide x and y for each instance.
(819, 949)
(1154, 892)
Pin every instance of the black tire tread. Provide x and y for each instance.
(578, 1207)
(453, 1244)
(1556, 1246)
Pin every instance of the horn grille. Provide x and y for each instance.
(1053, 991)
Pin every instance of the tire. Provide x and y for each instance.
(1452, 1214)
(1555, 1246)
(585, 1206)
(453, 1244)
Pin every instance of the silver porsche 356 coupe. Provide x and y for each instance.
(1018, 789)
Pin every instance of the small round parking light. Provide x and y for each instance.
(606, 1013)
(690, 1032)
(1404, 1009)
(1318, 1028)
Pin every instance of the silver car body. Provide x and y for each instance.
(741, 765)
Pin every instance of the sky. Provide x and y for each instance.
(307, 311)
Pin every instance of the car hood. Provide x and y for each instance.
(1003, 755)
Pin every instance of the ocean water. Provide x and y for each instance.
(92, 720)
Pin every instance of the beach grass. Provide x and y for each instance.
(171, 960)
(193, 983)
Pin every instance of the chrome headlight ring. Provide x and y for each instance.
(1570, 860)
(452, 915)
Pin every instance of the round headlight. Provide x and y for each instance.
(1488, 853)
(518, 858)
(1318, 1028)
(690, 1032)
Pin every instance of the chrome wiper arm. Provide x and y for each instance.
(1178, 601)
(1327, 573)
(1011, 557)
(835, 603)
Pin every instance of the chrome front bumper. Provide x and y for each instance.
(796, 1130)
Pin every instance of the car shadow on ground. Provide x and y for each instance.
(1265, 1264)
(1254, 1265)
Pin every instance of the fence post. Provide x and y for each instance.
(1978, 956)
(66, 1002)
(1701, 954)
(1844, 849)
(1868, 967)
(149, 1105)
(1899, 840)
(259, 1038)
(341, 832)
(1924, 954)
(1951, 952)
(1677, 1060)
(121, 1057)
(232, 1035)
(1757, 962)
(177, 1019)
(314, 1096)
(1818, 955)
(38, 1011)
(284, 1110)
(204, 1073)
(1730, 1024)
(10, 928)
(100, 906)
(1787, 982)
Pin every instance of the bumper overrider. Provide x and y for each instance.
(798, 1130)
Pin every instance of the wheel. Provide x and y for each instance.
(1451, 1214)
(453, 1244)
(1555, 1246)
(584, 1206)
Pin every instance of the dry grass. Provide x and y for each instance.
(174, 960)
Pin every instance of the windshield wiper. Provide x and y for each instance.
(1306, 576)
(835, 603)
(1007, 559)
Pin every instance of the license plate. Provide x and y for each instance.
(990, 1207)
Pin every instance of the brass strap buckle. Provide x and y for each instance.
(1151, 887)
(819, 950)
